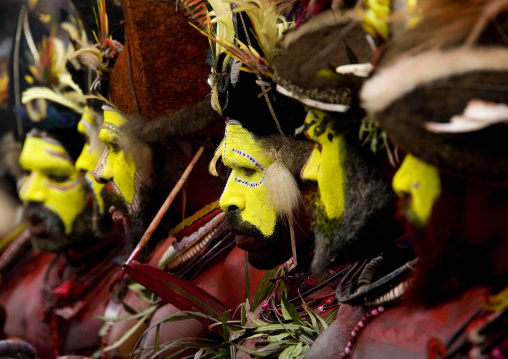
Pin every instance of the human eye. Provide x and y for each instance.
(115, 147)
(248, 171)
(59, 178)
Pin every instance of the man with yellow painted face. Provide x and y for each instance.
(262, 197)
(53, 194)
(353, 202)
(116, 170)
(452, 184)
(260, 227)
(54, 306)
(451, 119)
(151, 138)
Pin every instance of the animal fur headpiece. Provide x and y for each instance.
(441, 89)
(159, 79)
(324, 60)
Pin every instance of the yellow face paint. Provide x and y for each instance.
(420, 181)
(89, 157)
(53, 180)
(325, 164)
(114, 167)
(244, 189)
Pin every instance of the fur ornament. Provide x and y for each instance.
(283, 192)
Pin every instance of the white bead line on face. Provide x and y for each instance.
(256, 163)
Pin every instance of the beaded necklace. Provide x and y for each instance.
(387, 289)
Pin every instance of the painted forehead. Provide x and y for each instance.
(110, 129)
(86, 123)
(317, 126)
(242, 149)
(46, 155)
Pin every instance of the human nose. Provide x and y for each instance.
(310, 170)
(83, 162)
(403, 180)
(103, 172)
(232, 197)
(33, 189)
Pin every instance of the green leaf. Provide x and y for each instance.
(331, 316)
(265, 287)
(291, 352)
(157, 332)
(289, 312)
(247, 277)
(182, 294)
(257, 353)
(304, 351)
(136, 315)
(132, 330)
(312, 316)
(225, 332)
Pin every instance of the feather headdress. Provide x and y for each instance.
(448, 74)
(447, 23)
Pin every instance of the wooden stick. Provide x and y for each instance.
(293, 241)
(165, 206)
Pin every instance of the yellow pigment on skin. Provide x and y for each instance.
(325, 165)
(421, 182)
(89, 158)
(245, 188)
(113, 166)
(53, 180)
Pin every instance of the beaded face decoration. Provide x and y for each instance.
(51, 179)
(326, 164)
(115, 167)
(245, 189)
(419, 182)
(90, 156)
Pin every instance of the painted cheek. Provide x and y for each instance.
(332, 178)
(420, 181)
(310, 171)
(66, 200)
(124, 172)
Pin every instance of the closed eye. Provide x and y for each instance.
(59, 179)
(248, 171)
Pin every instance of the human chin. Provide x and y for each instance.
(48, 231)
(44, 225)
(263, 252)
(323, 225)
(114, 203)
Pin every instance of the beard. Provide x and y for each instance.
(135, 224)
(102, 224)
(367, 225)
(265, 252)
(51, 237)
(461, 244)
